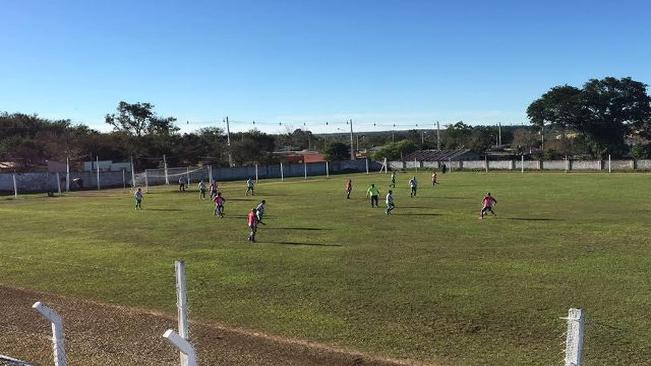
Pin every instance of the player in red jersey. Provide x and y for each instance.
(252, 221)
(487, 205)
(219, 204)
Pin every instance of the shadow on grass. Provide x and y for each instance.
(165, 209)
(299, 243)
(530, 219)
(417, 214)
(296, 228)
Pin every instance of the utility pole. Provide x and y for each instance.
(422, 137)
(499, 133)
(228, 142)
(352, 147)
(438, 136)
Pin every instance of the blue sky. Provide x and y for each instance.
(383, 62)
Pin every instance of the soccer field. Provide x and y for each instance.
(431, 283)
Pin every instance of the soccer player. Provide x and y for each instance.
(213, 189)
(349, 188)
(249, 187)
(219, 205)
(374, 193)
(434, 177)
(393, 180)
(413, 184)
(138, 196)
(260, 211)
(487, 205)
(181, 184)
(202, 190)
(252, 221)
(389, 202)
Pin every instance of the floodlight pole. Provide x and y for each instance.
(228, 142)
(352, 147)
(438, 136)
(133, 174)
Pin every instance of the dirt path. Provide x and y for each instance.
(98, 334)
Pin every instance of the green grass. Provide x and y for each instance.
(430, 283)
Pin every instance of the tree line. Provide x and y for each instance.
(604, 116)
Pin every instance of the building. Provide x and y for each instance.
(299, 157)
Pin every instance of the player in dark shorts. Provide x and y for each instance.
(487, 205)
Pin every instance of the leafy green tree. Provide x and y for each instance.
(337, 151)
(605, 111)
(396, 150)
(138, 119)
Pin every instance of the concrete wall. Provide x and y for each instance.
(47, 182)
(580, 165)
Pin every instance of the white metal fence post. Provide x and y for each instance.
(167, 178)
(486, 163)
(146, 182)
(182, 345)
(13, 176)
(282, 175)
(256, 173)
(187, 175)
(574, 341)
(97, 160)
(610, 167)
(67, 174)
(305, 168)
(182, 307)
(366, 165)
(57, 332)
(327, 166)
(124, 178)
(522, 164)
(59, 183)
(133, 174)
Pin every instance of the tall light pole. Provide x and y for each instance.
(352, 147)
(438, 136)
(228, 142)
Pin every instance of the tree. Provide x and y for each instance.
(396, 150)
(139, 119)
(337, 151)
(457, 135)
(605, 111)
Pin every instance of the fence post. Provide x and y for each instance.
(574, 341)
(133, 174)
(610, 168)
(124, 178)
(305, 168)
(187, 175)
(210, 173)
(486, 163)
(146, 182)
(67, 174)
(522, 164)
(256, 173)
(167, 179)
(367, 165)
(59, 183)
(182, 306)
(97, 160)
(282, 174)
(184, 347)
(57, 332)
(13, 176)
(327, 169)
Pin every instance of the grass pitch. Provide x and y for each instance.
(431, 283)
